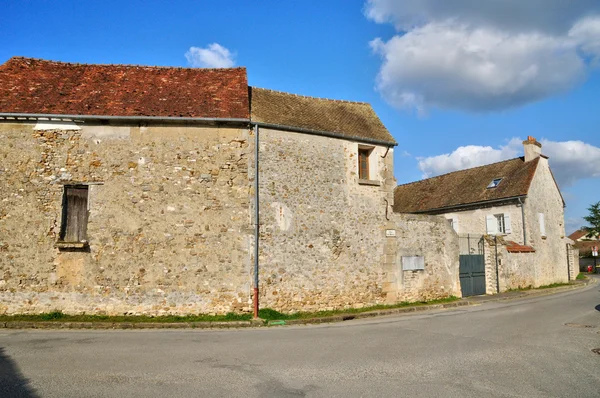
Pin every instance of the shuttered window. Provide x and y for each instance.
(74, 214)
(498, 224)
(542, 220)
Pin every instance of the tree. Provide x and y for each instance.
(593, 219)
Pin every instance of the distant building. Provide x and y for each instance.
(517, 202)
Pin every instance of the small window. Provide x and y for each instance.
(495, 182)
(501, 223)
(363, 163)
(542, 221)
(74, 214)
(498, 224)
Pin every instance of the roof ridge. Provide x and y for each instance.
(311, 97)
(458, 171)
(122, 65)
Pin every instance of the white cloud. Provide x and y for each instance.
(213, 56)
(550, 16)
(570, 160)
(483, 56)
(466, 157)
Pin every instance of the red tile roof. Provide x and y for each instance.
(466, 187)
(35, 86)
(514, 247)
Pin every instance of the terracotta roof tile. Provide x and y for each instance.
(35, 86)
(514, 247)
(466, 187)
(349, 119)
(580, 233)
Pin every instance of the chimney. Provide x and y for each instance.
(533, 149)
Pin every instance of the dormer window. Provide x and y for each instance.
(495, 182)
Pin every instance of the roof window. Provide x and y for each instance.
(495, 182)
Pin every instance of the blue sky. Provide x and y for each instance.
(458, 83)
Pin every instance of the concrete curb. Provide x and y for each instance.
(308, 321)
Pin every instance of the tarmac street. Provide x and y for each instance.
(534, 347)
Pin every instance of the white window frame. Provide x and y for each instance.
(498, 224)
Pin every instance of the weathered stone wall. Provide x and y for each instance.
(551, 250)
(322, 237)
(515, 270)
(169, 225)
(432, 238)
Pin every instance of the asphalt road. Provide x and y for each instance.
(537, 347)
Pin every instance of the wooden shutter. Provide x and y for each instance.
(491, 224)
(507, 225)
(542, 224)
(455, 224)
(75, 214)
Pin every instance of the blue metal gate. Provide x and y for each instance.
(471, 266)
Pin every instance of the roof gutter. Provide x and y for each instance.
(36, 116)
(441, 209)
(325, 134)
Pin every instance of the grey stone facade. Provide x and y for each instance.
(170, 227)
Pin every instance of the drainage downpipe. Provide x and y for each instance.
(256, 221)
(521, 203)
(497, 271)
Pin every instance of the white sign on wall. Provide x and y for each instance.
(390, 232)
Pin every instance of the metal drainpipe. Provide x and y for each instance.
(497, 272)
(523, 219)
(257, 222)
(568, 264)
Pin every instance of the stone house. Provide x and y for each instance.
(581, 235)
(134, 190)
(513, 210)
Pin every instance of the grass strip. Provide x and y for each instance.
(269, 314)
(266, 314)
(58, 316)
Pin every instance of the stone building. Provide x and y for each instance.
(132, 190)
(516, 204)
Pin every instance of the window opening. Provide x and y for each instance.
(501, 223)
(363, 163)
(74, 214)
(495, 182)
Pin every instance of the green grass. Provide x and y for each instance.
(266, 314)
(553, 285)
(57, 316)
(520, 289)
(580, 276)
(269, 314)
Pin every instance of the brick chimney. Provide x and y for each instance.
(533, 149)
